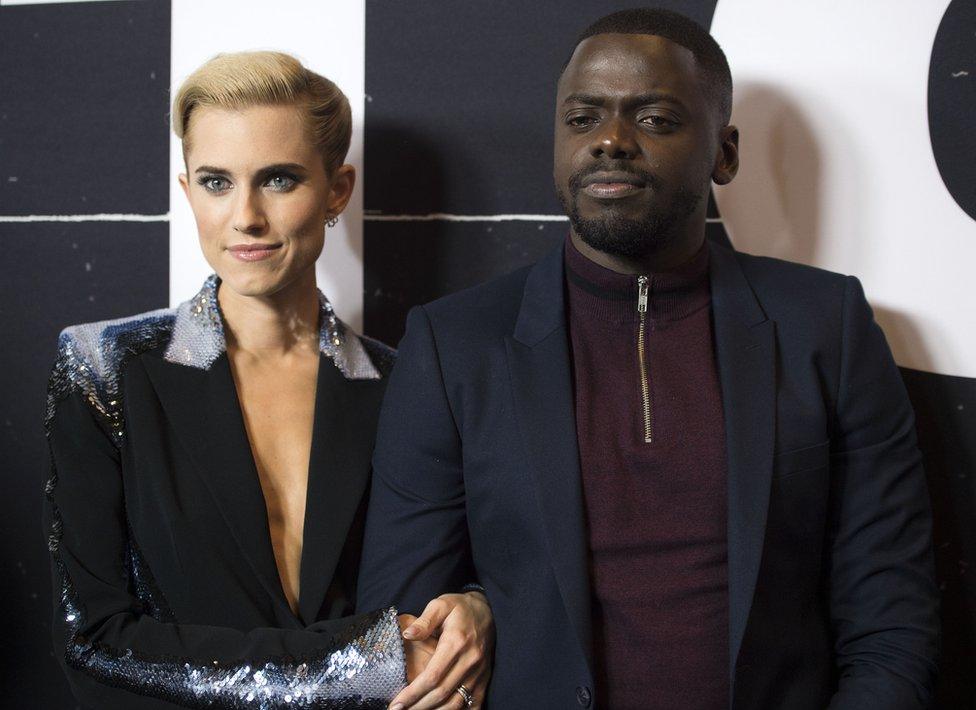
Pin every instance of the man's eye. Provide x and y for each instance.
(281, 183)
(580, 121)
(657, 121)
(214, 183)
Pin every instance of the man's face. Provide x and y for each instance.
(635, 142)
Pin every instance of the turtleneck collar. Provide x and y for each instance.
(672, 295)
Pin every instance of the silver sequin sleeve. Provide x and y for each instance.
(113, 626)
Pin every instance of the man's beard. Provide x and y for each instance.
(630, 237)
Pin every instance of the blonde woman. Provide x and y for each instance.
(210, 462)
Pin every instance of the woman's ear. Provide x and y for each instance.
(341, 184)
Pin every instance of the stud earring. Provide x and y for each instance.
(332, 221)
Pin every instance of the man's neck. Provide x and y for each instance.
(667, 259)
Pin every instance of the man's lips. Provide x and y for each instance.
(253, 251)
(610, 185)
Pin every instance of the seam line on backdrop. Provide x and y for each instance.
(85, 218)
(446, 217)
(432, 217)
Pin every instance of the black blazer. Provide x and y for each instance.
(831, 587)
(165, 581)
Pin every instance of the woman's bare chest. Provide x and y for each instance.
(278, 407)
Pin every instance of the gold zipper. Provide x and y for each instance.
(645, 390)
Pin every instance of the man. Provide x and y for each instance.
(685, 477)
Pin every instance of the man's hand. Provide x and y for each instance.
(465, 633)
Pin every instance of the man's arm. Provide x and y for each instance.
(882, 592)
(416, 545)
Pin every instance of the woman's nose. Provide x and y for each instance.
(249, 218)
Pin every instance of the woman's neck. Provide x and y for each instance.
(273, 326)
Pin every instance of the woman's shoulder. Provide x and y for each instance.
(91, 357)
(101, 345)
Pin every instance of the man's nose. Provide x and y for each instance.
(615, 139)
(249, 217)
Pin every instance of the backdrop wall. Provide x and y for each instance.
(857, 155)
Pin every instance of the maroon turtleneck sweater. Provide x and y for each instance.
(651, 439)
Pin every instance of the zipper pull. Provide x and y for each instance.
(642, 294)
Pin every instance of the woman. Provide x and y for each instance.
(210, 461)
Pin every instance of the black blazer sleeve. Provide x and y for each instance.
(115, 650)
(883, 600)
(418, 488)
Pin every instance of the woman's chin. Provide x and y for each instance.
(253, 280)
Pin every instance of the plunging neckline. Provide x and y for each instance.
(296, 609)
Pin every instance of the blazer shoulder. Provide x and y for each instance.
(785, 288)
(771, 269)
(91, 357)
(486, 308)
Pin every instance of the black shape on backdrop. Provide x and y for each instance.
(952, 102)
(84, 94)
(443, 257)
(80, 118)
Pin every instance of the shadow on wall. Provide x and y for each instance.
(773, 205)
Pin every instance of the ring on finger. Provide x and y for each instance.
(466, 695)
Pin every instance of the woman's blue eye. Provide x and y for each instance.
(213, 183)
(281, 183)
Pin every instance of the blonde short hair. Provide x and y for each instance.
(242, 79)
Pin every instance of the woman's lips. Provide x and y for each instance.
(252, 252)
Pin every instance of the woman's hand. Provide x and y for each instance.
(417, 653)
(465, 633)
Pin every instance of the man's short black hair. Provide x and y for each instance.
(709, 57)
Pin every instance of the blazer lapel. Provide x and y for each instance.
(346, 411)
(745, 350)
(203, 408)
(541, 375)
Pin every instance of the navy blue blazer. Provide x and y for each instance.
(832, 599)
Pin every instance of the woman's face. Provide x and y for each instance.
(260, 195)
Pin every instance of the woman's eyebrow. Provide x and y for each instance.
(282, 167)
(212, 169)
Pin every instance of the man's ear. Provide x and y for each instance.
(727, 157)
